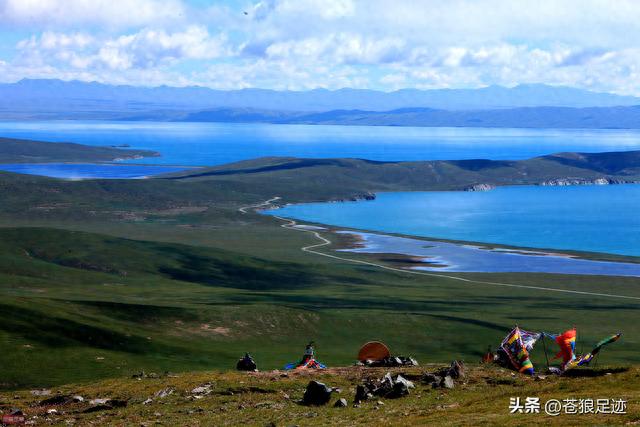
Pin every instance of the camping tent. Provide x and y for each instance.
(373, 350)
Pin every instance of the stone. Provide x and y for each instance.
(59, 399)
(105, 404)
(447, 382)
(43, 392)
(405, 381)
(432, 379)
(163, 393)
(341, 403)
(399, 389)
(457, 369)
(317, 393)
(203, 389)
(361, 393)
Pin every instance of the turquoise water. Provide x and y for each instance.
(218, 143)
(586, 218)
(198, 144)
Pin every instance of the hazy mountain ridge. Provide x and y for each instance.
(42, 95)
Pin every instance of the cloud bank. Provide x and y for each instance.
(306, 44)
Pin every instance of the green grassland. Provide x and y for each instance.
(104, 278)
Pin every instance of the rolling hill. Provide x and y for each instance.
(27, 151)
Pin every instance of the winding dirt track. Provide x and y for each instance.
(293, 225)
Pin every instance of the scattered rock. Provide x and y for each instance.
(447, 382)
(52, 411)
(390, 362)
(59, 399)
(105, 404)
(361, 393)
(163, 393)
(406, 382)
(97, 408)
(457, 369)
(400, 388)
(146, 402)
(386, 387)
(432, 379)
(43, 392)
(203, 389)
(540, 377)
(341, 403)
(316, 393)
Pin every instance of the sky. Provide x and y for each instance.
(308, 44)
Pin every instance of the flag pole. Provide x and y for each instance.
(544, 345)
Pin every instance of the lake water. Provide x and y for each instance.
(587, 218)
(88, 170)
(449, 257)
(218, 143)
(583, 218)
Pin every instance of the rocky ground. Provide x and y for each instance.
(425, 395)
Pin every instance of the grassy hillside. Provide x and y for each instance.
(104, 278)
(79, 306)
(27, 151)
(481, 398)
(322, 179)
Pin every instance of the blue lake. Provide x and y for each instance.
(586, 218)
(218, 143)
(88, 170)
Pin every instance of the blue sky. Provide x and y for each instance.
(306, 44)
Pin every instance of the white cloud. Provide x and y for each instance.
(74, 13)
(299, 44)
(339, 48)
(145, 49)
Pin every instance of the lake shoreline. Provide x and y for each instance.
(276, 209)
(404, 252)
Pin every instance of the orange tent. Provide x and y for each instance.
(373, 350)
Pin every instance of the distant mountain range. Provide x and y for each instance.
(57, 95)
(494, 106)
